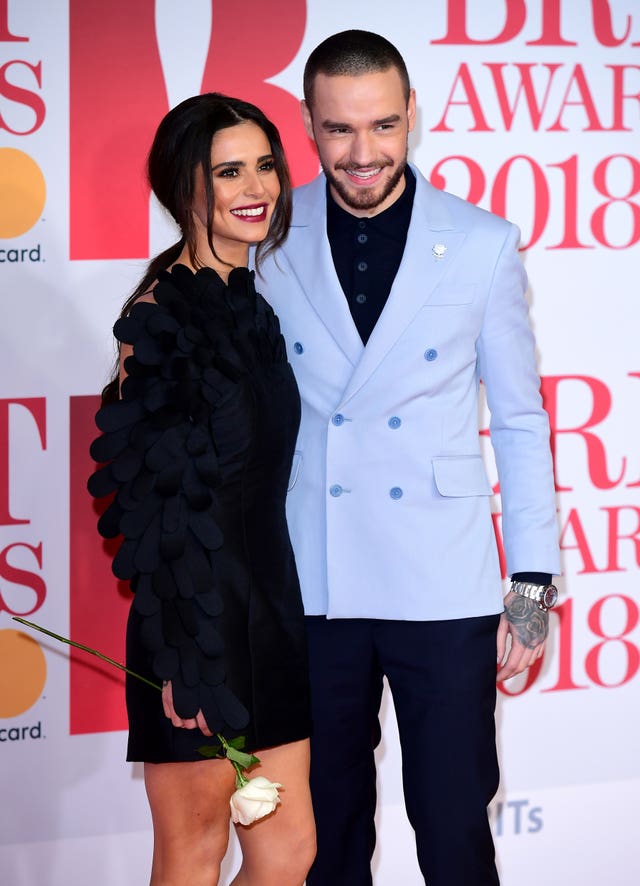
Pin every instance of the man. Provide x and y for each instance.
(395, 299)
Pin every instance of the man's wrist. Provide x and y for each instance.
(545, 595)
(536, 578)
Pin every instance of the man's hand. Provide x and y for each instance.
(528, 626)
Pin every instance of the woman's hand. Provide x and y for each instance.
(197, 722)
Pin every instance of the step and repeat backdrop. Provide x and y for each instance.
(530, 108)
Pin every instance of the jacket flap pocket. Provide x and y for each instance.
(460, 475)
(452, 295)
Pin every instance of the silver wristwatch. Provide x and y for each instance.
(546, 596)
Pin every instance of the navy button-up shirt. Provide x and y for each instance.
(367, 253)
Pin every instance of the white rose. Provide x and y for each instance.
(256, 799)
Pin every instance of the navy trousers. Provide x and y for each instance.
(442, 676)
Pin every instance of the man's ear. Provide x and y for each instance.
(306, 118)
(411, 109)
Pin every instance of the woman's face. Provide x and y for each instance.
(245, 187)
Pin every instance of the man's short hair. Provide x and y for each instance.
(352, 53)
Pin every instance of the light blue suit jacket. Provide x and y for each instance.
(389, 505)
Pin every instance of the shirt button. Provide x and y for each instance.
(430, 355)
(361, 298)
(395, 492)
(362, 238)
(335, 490)
(394, 422)
(362, 223)
(297, 347)
(362, 266)
(338, 419)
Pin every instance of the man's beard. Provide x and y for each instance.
(365, 198)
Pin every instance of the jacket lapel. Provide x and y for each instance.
(309, 254)
(431, 247)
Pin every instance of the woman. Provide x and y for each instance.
(199, 425)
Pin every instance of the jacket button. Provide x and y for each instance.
(297, 347)
(395, 492)
(335, 490)
(338, 419)
(394, 422)
(430, 355)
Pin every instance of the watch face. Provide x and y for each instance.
(549, 596)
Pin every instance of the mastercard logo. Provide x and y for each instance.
(23, 192)
(23, 672)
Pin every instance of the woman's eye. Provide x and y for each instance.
(230, 172)
(267, 166)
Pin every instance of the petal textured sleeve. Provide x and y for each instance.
(159, 461)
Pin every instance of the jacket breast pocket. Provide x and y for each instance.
(456, 476)
(296, 464)
(452, 295)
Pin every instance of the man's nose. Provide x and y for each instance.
(363, 152)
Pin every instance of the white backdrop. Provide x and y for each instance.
(529, 107)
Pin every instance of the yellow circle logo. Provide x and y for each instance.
(23, 191)
(23, 672)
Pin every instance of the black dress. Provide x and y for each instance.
(198, 451)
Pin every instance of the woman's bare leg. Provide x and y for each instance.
(190, 811)
(278, 850)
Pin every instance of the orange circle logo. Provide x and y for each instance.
(23, 672)
(23, 191)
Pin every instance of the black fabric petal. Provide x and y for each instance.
(209, 640)
(231, 710)
(146, 601)
(211, 710)
(182, 578)
(109, 445)
(210, 602)
(126, 466)
(166, 664)
(118, 415)
(109, 522)
(102, 482)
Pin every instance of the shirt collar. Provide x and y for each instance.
(388, 222)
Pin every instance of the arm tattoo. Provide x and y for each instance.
(530, 623)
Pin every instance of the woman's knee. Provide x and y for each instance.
(302, 851)
(287, 864)
(190, 812)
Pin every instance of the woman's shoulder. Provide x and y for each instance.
(167, 296)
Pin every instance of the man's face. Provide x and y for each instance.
(360, 125)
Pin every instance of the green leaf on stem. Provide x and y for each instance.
(242, 759)
(211, 750)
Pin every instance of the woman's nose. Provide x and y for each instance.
(254, 185)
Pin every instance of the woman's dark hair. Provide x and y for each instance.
(181, 147)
